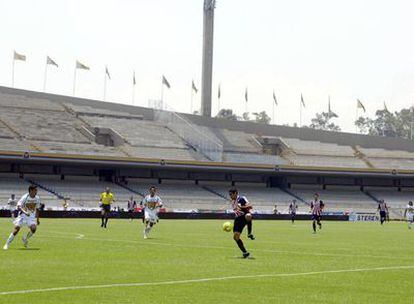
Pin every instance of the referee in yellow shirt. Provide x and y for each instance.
(107, 198)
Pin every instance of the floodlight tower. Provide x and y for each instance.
(207, 68)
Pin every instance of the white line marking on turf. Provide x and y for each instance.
(202, 280)
(80, 236)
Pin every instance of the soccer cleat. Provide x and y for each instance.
(246, 255)
(25, 241)
(251, 236)
(6, 247)
(145, 236)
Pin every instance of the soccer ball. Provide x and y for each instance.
(227, 226)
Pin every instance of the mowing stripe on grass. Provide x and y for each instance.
(202, 280)
(149, 242)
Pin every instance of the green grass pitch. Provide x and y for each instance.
(194, 261)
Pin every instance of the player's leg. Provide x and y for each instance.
(102, 216)
(107, 213)
(249, 223)
(32, 230)
(314, 223)
(292, 218)
(410, 221)
(10, 239)
(239, 224)
(319, 222)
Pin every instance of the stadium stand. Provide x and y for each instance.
(13, 184)
(31, 121)
(180, 194)
(337, 198)
(52, 124)
(262, 197)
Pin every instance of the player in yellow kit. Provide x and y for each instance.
(105, 201)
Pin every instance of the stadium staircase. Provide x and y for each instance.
(87, 131)
(14, 131)
(294, 195)
(358, 154)
(396, 214)
(214, 192)
(47, 189)
(122, 185)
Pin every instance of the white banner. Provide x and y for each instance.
(363, 217)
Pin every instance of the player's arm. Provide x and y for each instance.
(405, 212)
(20, 207)
(37, 216)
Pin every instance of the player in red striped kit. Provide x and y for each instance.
(316, 209)
(242, 209)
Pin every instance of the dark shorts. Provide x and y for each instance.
(130, 211)
(316, 217)
(239, 223)
(293, 214)
(106, 208)
(383, 214)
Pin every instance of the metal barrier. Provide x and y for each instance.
(208, 146)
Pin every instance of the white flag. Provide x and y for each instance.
(107, 72)
(51, 61)
(81, 66)
(18, 56)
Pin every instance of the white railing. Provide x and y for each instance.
(208, 146)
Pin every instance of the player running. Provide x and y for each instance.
(242, 209)
(28, 215)
(12, 204)
(105, 201)
(293, 207)
(383, 210)
(151, 203)
(409, 214)
(132, 204)
(316, 209)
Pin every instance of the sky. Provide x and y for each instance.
(343, 49)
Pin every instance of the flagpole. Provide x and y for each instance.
(104, 95)
(74, 82)
(300, 114)
(162, 95)
(133, 94)
(44, 80)
(13, 72)
(356, 118)
(192, 96)
(273, 104)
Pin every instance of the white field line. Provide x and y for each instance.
(202, 280)
(149, 242)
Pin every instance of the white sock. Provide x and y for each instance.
(10, 239)
(29, 235)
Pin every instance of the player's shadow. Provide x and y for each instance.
(32, 249)
(242, 258)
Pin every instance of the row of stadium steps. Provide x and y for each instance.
(262, 197)
(396, 198)
(337, 198)
(180, 194)
(318, 154)
(53, 124)
(17, 185)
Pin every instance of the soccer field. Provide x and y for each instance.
(194, 261)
